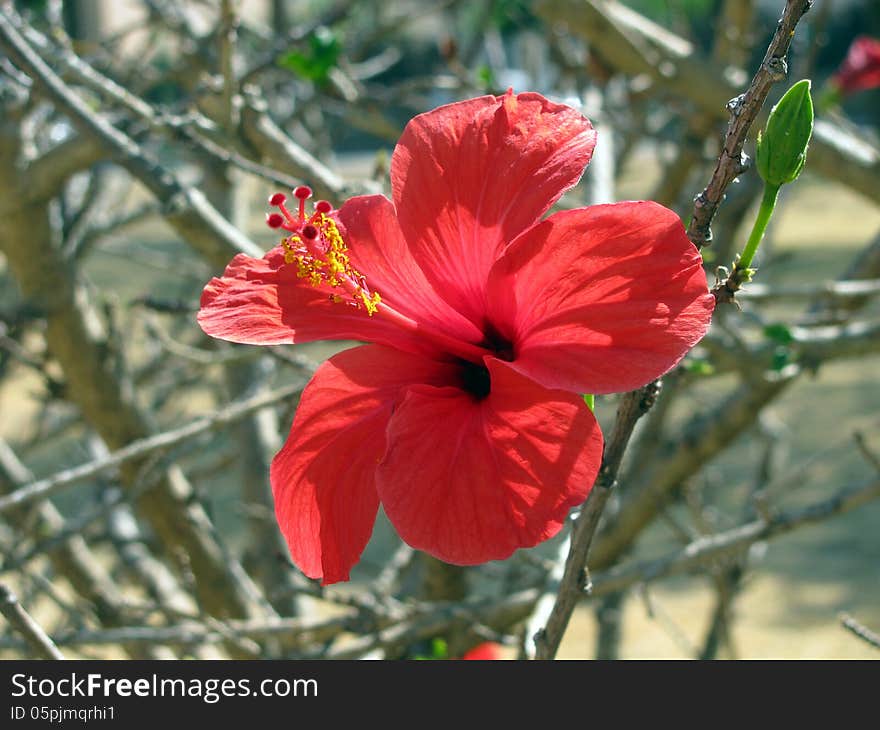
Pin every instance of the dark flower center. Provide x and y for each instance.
(498, 343)
(475, 379)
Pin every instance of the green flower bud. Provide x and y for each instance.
(782, 148)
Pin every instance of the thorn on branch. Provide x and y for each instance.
(586, 582)
(777, 68)
(701, 200)
(650, 394)
(728, 283)
(735, 105)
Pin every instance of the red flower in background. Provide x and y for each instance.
(487, 651)
(860, 69)
(464, 419)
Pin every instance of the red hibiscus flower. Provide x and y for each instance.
(464, 418)
(860, 69)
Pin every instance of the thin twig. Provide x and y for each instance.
(863, 632)
(706, 435)
(631, 43)
(744, 110)
(192, 633)
(870, 456)
(143, 447)
(70, 556)
(184, 208)
(574, 578)
(731, 542)
(829, 289)
(37, 639)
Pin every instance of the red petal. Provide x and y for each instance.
(469, 177)
(379, 251)
(263, 302)
(501, 475)
(323, 478)
(601, 299)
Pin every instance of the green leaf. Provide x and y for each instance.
(782, 147)
(439, 648)
(320, 56)
(780, 333)
(781, 358)
(590, 400)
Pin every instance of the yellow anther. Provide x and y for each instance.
(324, 261)
(370, 301)
(290, 256)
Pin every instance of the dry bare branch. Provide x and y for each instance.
(20, 620)
(143, 447)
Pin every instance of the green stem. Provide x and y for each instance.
(765, 212)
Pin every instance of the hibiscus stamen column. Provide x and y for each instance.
(318, 249)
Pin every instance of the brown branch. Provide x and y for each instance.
(20, 620)
(704, 437)
(426, 620)
(744, 111)
(808, 348)
(574, 578)
(501, 615)
(817, 344)
(184, 208)
(829, 291)
(435, 620)
(143, 447)
(44, 177)
(74, 69)
(193, 633)
(227, 32)
(101, 388)
(187, 127)
(865, 266)
(78, 245)
(635, 46)
(69, 555)
(863, 632)
(277, 149)
(870, 456)
(154, 575)
(715, 547)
